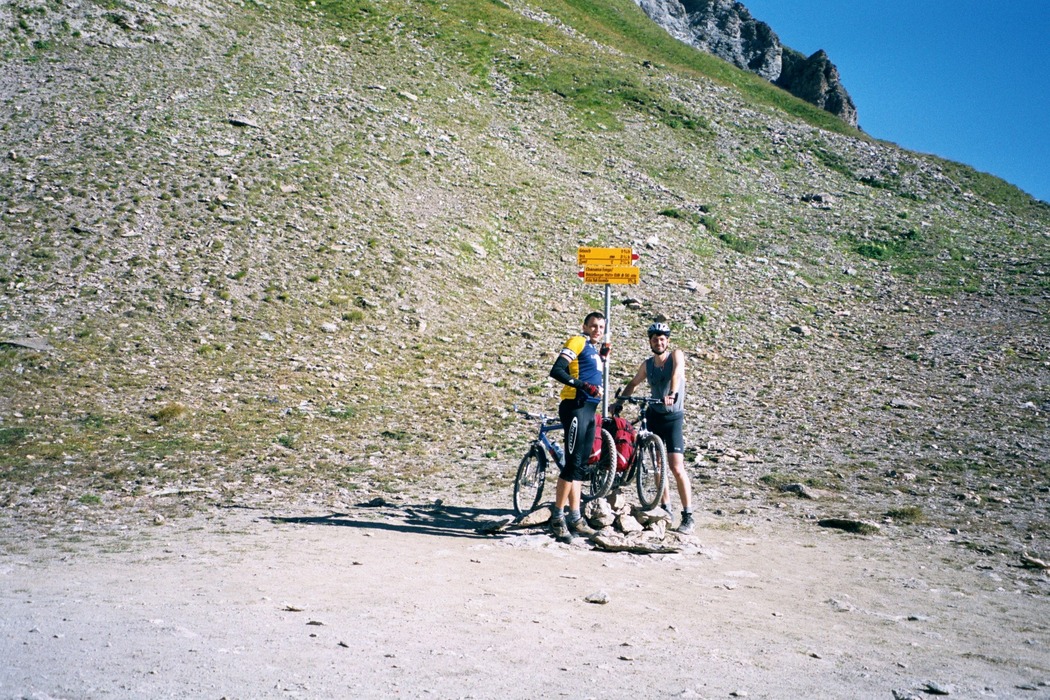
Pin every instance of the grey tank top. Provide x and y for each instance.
(660, 384)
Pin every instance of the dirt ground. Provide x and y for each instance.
(410, 601)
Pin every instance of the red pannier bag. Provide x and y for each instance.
(596, 453)
(623, 435)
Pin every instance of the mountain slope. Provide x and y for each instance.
(324, 248)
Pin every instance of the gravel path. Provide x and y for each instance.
(412, 602)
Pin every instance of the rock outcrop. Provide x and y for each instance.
(726, 29)
(816, 80)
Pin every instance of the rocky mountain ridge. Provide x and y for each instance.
(263, 251)
(726, 29)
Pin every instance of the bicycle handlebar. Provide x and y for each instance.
(640, 399)
(548, 420)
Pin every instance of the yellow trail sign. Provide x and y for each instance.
(611, 274)
(604, 256)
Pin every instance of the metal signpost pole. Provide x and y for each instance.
(607, 340)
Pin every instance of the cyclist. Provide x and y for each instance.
(665, 372)
(580, 367)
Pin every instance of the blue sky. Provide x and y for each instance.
(967, 80)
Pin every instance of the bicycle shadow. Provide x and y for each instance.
(437, 519)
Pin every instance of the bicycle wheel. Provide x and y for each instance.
(528, 484)
(651, 470)
(601, 480)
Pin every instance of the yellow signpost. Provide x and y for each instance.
(604, 256)
(611, 274)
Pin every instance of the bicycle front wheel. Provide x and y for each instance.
(528, 484)
(651, 470)
(601, 480)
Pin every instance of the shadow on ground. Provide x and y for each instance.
(430, 519)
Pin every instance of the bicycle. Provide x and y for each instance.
(647, 466)
(532, 470)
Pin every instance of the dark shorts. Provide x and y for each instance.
(669, 427)
(578, 422)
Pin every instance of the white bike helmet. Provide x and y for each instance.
(661, 328)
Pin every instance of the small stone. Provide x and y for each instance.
(898, 402)
(1030, 562)
(540, 516)
(802, 490)
(598, 598)
(496, 526)
(857, 526)
(840, 606)
(936, 689)
(648, 517)
(628, 524)
(599, 513)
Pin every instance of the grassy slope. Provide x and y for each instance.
(342, 291)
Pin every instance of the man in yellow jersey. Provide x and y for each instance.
(580, 367)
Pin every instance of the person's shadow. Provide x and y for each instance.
(426, 519)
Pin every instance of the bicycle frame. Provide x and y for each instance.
(548, 424)
(532, 470)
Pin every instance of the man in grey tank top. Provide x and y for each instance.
(665, 372)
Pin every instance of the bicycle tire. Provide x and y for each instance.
(528, 483)
(651, 471)
(604, 473)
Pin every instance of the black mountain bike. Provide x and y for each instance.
(648, 465)
(532, 471)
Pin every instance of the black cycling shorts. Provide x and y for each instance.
(578, 421)
(669, 427)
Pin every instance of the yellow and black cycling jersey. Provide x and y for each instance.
(585, 364)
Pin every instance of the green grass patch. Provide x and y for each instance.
(775, 480)
(687, 216)
(734, 242)
(92, 421)
(341, 412)
(9, 437)
(907, 514)
(169, 413)
(833, 161)
(353, 315)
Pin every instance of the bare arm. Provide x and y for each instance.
(677, 376)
